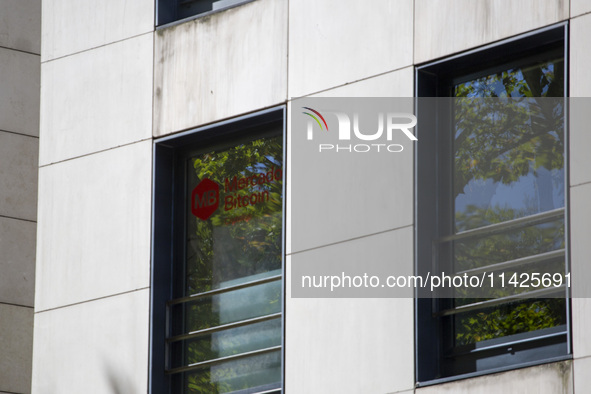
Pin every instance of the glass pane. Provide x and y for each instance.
(230, 307)
(189, 8)
(242, 237)
(535, 80)
(508, 319)
(262, 371)
(508, 154)
(230, 342)
(482, 251)
(505, 166)
(508, 163)
(234, 226)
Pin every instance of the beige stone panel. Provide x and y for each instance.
(96, 100)
(73, 26)
(579, 140)
(17, 261)
(18, 176)
(579, 7)
(16, 347)
(443, 27)
(352, 345)
(332, 45)
(20, 25)
(580, 56)
(543, 379)
(19, 92)
(198, 80)
(99, 346)
(395, 84)
(581, 375)
(580, 228)
(93, 235)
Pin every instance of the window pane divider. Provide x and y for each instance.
(537, 258)
(208, 363)
(196, 296)
(509, 343)
(507, 225)
(210, 330)
(502, 300)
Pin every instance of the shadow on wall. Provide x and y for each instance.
(118, 382)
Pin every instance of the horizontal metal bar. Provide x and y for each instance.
(508, 344)
(208, 363)
(197, 296)
(502, 300)
(276, 390)
(537, 258)
(210, 330)
(507, 225)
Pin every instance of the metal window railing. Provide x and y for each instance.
(210, 330)
(498, 228)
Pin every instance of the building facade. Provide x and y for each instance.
(141, 102)
(20, 38)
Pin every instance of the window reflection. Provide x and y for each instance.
(508, 150)
(230, 340)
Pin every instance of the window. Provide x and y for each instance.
(491, 193)
(174, 10)
(217, 302)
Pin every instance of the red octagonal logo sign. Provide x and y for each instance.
(205, 199)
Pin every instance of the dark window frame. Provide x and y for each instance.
(167, 221)
(435, 80)
(169, 11)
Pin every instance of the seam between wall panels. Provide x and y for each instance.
(20, 50)
(92, 300)
(15, 218)
(18, 133)
(96, 47)
(352, 239)
(352, 82)
(16, 305)
(95, 152)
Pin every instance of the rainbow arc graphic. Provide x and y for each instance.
(313, 116)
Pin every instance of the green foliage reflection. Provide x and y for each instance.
(239, 243)
(507, 133)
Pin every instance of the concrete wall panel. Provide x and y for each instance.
(18, 176)
(94, 226)
(582, 378)
(96, 100)
(543, 379)
(19, 92)
(20, 25)
(99, 346)
(17, 243)
(580, 57)
(580, 227)
(16, 347)
(352, 345)
(198, 80)
(579, 139)
(579, 7)
(74, 26)
(443, 27)
(331, 44)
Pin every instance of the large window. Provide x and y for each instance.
(491, 185)
(218, 275)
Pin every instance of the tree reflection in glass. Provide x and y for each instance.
(240, 242)
(508, 151)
